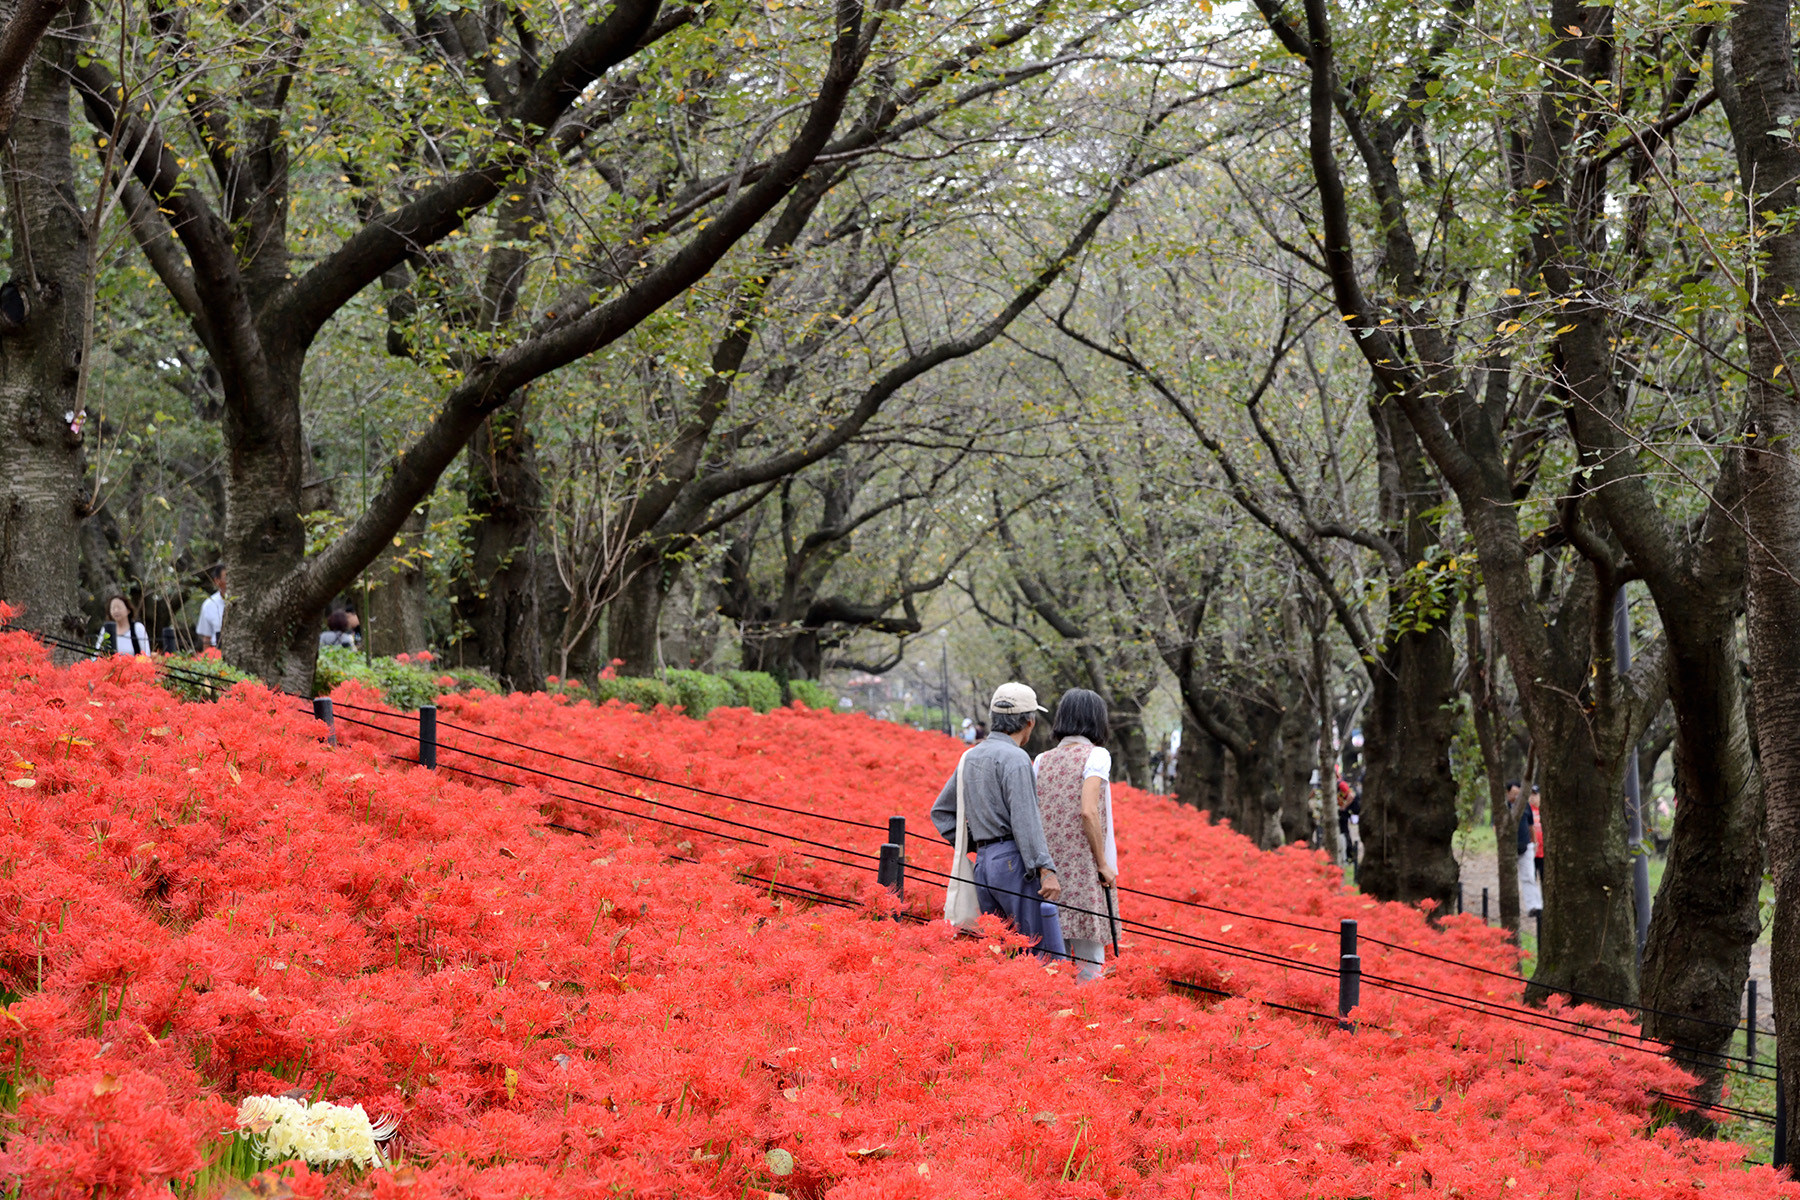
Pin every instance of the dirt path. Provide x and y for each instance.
(1479, 871)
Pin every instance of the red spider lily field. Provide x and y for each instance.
(208, 902)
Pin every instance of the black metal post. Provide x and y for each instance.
(168, 639)
(109, 638)
(322, 710)
(1484, 908)
(1349, 989)
(1750, 1026)
(897, 835)
(1346, 937)
(428, 736)
(888, 873)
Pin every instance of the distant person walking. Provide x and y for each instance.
(212, 613)
(1531, 893)
(1349, 818)
(1537, 837)
(1014, 871)
(128, 634)
(1074, 792)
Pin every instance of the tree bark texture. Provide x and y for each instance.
(397, 597)
(1408, 820)
(1199, 769)
(1762, 92)
(499, 600)
(634, 618)
(1706, 916)
(1409, 794)
(42, 498)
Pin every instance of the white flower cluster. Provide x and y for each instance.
(322, 1134)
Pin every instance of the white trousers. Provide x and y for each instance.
(1090, 958)
(1531, 895)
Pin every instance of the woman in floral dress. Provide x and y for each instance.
(1075, 800)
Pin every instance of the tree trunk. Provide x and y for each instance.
(1706, 916)
(1757, 81)
(1133, 748)
(397, 599)
(42, 500)
(1589, 946)
(635, 615)
(500, 599)
(1491, 733)
(1257, 791)
(1199, 768)
(1298, 733)
(263, 633)
(1327, 747)
(1409, 794)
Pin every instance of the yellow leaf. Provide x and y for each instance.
(1512, 291)
(231, 770)
(1777, 370)
(1563, 330)
(512, 1082)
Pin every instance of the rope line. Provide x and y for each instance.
(1639, 1008)
(1543, 1021)
(705, 816)
(1494, 1009)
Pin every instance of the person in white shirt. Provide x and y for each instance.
(212, 613)
(128, 635)
(1075, 802)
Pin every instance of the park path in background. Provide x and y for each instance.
(1479, 871)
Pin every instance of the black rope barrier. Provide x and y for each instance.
(1547, 1022)
(1543, 1021)
(1626, 1006)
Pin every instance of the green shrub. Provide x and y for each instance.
(199, 680)
(645, 693)
(810, 694)
(756, 690)
(468, 679)
(403, 684)
(700, 693)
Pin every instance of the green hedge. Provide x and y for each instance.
(645, 693)
(700, 693)
(756, 690)
(810, 694)
(187, 678)
(405, 685)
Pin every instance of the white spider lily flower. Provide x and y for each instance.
(320, 1134)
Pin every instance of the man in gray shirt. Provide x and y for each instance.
(1014, 876)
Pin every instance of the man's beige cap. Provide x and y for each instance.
(1015, 698)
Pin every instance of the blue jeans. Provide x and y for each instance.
(1005, 890)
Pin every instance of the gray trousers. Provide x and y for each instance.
(1005, 890)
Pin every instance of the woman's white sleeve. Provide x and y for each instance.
(1099, 764)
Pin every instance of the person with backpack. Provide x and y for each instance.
(128, 635)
